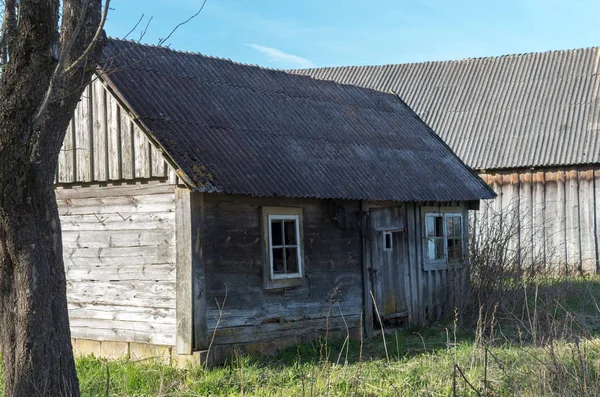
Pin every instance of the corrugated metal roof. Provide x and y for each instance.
(241, 129)
(529, 110)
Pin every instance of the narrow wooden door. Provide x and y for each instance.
(389, 272)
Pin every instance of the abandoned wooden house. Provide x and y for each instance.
(204, 201)
(528, 124)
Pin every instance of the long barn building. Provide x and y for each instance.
(528, 124)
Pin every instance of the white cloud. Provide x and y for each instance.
(283, 59)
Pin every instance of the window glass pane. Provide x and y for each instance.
(455, 249)
(439, 226)
(435, 249)
(430, 226)
(291, 256)
(434, 226)
(276, 232)
(278, 267)
(387, 240)
(454, 225)
(290, 232)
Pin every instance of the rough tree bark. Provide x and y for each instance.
(42, 79)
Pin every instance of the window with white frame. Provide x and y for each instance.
(282, 242)
(444, 240)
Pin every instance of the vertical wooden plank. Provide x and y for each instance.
(172, 176)
(90, 130)
(510, 207)
(417, 289)
(66, 171)
(184, 282)
(412, 266)
(561, 216)
(555, 249)
(128, 161)
(572, 221)
(498, 188)
(198, 276)
(586, 220)
(100, 133)
(192, 331)
(141, 153)
(539, 232)
(526, 218)
(82, 138)
(596, 184)
(113, 122)
(377, 259)
(366, 264)
(158, 163)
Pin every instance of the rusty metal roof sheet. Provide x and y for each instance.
(529, 110)
(241, 129)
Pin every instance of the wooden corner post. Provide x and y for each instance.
(192, 333)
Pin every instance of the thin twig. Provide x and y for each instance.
(94, 41)
(134, 27)
(161, 41)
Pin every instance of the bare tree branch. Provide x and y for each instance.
(143, 33)
(161, 41)
(58, 71)
(9, 28)
(134, 28)
(94, 41)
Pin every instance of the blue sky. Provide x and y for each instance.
(306, 33)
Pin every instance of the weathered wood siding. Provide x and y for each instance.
(120, 254)
(330, 298)
(103, 143)
(558, 212)
(426, 290)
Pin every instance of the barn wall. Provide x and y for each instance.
(103, 143)
(558, 210)
(330, 297)
(119, 252)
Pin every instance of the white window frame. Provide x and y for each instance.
(295, 218)
(271, 280)
(436, 264)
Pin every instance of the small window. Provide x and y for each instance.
(444, 237)
(283, 253)
(387, 241)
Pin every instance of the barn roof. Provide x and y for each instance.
(529, 110)
(241, 129)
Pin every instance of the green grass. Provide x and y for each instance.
(414, 369)
(549, 345)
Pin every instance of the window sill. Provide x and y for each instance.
(283, 283)
(442, 265)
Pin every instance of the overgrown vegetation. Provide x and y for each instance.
(522, 357)
(515, 331)
(549, 346)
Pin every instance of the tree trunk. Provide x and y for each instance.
(38, 95)
(35, 335)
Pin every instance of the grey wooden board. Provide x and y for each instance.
(390, 266)
(199, 306)
(120, 253)
(103, 143)
(560, 206)
(233, 271)
(184, 333)
(286, 329)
